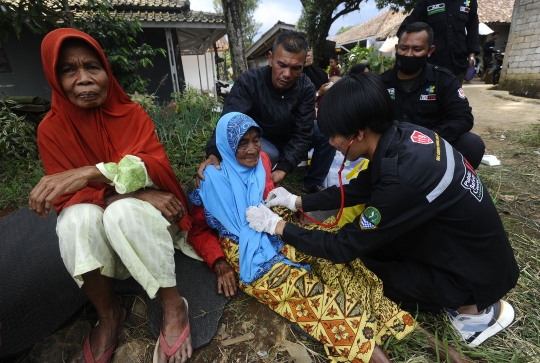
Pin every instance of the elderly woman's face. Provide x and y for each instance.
(249, 148)
(82, 76)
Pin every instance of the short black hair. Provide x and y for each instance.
(334, 58)
(359, 68)
(354, 103)
(292, 42)
(417, 27)
(495, 33)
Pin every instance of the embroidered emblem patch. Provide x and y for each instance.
(472, 182)
(467, 3)
(461, 93)
(370, 218)
(428, 97)
(420, 138)
(437, 8)
(430, 89)
(392, 93)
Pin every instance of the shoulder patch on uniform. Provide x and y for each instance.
(421, 138)
(471, 181)
(461, 93)
(370, 218)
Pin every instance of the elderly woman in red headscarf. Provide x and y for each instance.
(118, 201)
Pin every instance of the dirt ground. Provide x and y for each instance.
(494, 112)
(497, 110)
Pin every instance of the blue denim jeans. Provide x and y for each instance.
(323, 155)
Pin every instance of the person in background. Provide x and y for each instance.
(431, 96)
(488, 53)
(429, 230)
(316, 75)
(455, 26)
(334, 67)
(280, 99)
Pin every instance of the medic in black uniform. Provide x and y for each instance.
(455, 24)
(431, 96)
(429, 229)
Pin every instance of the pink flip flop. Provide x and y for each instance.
(87, 350)
(169, 351)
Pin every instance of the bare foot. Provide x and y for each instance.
(175, 320)
(104, 336)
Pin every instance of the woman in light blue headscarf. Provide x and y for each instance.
(276, 274)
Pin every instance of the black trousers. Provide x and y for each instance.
(472, 147)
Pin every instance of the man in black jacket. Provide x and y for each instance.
(455, 24)
(281, 100)
(488, 53)
(429, 230)
(431, 96)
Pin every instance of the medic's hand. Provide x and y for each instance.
(212, 160)
(262, 219)
(280, 196)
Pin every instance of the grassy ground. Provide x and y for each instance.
(515, 188)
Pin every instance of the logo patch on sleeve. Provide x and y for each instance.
(370, 218)
(472, 182)
(461, 93)
(420, 138)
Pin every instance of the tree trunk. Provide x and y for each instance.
(69, 15)
(319, 40)
(231, 11)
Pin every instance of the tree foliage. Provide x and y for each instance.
(39, 16)
(118, 38)
(397, 5)
(317, 18)
(250, 27)
(343, 29)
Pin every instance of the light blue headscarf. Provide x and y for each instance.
(227, 193)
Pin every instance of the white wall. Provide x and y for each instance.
(191, 71)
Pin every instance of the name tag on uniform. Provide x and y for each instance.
(437, 8)
(428, 97)
(464, 9)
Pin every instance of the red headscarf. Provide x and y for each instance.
(71, 137)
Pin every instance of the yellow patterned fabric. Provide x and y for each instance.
(342, 306)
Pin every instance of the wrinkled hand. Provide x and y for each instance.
(277, 177)
(280, 196)
(50, 187)
(262, 219)
(167, 203)
(226, 278)
(211, 160)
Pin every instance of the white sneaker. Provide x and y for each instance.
(475, 329)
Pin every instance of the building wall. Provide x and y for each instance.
(191, 71)
(27, 77)
(521, 67)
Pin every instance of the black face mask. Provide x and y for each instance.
(410, 65)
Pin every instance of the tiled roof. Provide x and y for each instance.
(381, 26)
(156, 11)
(495, 11)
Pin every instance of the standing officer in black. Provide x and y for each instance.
(455, 24)
(431, 96)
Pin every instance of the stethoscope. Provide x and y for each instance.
(330, 225)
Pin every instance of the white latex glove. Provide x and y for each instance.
(262, 219)
(280, 196)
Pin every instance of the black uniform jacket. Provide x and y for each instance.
(435, 101)
(425, 206)
(455, 24)
(286, 119)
